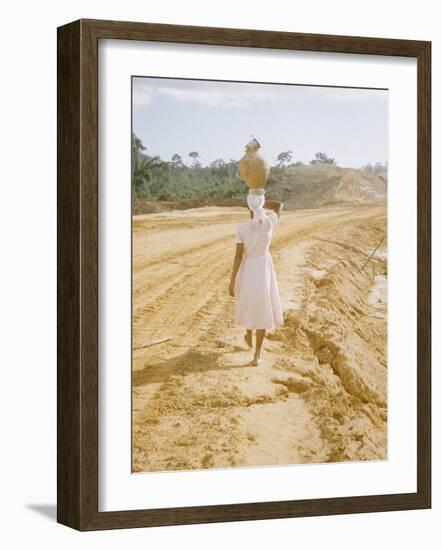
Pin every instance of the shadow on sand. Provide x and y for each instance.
(191, 361)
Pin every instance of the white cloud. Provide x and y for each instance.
(209, 97)
(233, 95)
(213, 94)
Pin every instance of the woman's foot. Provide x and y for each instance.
(248, 340)
(256, 361)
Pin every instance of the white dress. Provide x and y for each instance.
(258, 305)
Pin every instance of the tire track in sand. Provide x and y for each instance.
(164, 286)
(206, 389)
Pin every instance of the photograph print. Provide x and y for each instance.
(259, 274)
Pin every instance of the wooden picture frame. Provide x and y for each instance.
(77, 225)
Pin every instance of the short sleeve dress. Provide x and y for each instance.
(258, 304)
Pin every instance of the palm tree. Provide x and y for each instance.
(137, 145)
(142, 174)
(142, 166)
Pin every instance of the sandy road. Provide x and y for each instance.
(320, 394)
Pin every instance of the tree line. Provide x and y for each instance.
(156, 179)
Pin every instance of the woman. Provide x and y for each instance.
(258, 305)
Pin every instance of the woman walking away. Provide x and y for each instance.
(258, 306)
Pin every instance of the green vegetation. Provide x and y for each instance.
(143, 168)
(154, 179)
(322, 158)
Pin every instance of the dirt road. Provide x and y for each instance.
(320, 393)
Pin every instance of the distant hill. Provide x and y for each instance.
(313, 186)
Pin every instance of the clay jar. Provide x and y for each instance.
(253, 167)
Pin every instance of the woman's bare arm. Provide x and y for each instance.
(276, 206)
(236, 263)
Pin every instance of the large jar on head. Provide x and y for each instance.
(253, 167)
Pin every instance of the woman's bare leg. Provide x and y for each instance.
(248, 338)
(260, 333)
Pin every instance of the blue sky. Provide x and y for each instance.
(217, 119)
